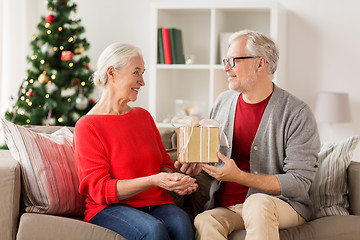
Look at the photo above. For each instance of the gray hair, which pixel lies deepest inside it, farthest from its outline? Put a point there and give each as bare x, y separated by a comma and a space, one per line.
259, 44
116, 55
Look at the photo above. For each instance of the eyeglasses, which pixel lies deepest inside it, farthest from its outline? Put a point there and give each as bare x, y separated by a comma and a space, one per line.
231, 61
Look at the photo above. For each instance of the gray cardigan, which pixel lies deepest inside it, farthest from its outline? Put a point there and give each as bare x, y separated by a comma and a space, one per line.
286, 145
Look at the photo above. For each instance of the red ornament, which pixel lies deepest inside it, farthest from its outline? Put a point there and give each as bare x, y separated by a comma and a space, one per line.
92, 101
50, 18
88, 67
30, 93
66, 55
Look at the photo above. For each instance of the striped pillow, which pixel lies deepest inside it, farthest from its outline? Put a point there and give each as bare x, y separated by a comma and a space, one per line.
329, 189
50, 182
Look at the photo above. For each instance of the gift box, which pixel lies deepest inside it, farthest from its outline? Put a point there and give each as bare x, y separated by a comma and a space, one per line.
198, 144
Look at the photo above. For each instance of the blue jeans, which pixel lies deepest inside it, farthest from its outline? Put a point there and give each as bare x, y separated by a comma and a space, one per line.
158, 222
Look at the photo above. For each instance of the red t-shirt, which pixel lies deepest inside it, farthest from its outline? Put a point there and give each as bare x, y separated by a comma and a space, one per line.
247, 120
117, 147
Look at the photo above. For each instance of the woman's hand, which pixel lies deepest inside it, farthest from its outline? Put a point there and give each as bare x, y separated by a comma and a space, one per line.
192, 169
176, 182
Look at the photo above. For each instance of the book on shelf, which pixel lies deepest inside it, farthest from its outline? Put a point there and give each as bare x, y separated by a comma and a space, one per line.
161, 57
177, 52
166, 45
170, 46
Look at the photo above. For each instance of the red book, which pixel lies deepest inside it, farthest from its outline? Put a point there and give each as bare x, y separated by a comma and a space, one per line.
166, 44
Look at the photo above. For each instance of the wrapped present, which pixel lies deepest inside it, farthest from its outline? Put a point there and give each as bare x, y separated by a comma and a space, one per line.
197, 142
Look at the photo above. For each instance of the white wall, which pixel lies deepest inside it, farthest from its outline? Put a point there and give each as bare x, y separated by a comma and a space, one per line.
322, 45
323, 49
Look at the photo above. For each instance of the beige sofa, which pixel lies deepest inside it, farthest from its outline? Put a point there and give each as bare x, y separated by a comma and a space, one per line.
15, 224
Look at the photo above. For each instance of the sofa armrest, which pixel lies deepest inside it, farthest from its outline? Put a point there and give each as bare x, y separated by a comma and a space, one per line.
10, 189
354, 187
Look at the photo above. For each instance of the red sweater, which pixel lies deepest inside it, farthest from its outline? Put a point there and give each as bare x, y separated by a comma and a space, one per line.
247, 120
117, 147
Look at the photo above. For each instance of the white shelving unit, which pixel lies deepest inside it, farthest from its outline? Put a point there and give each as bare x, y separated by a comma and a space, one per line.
201, 24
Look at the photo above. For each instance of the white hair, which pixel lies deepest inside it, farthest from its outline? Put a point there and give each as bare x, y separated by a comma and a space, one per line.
259, 44
116, 55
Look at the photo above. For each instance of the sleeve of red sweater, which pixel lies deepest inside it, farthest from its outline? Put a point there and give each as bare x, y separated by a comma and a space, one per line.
166, 158
92, 165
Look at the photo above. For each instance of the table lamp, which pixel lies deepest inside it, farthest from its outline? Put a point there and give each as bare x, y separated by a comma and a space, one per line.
332, 107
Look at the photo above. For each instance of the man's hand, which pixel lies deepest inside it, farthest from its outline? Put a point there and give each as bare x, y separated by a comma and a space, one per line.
192, 169
228, 172
231, 173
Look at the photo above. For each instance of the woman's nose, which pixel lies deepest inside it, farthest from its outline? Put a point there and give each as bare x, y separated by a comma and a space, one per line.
141, 81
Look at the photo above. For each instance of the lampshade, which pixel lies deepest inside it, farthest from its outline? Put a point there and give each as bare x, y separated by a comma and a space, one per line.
332, 107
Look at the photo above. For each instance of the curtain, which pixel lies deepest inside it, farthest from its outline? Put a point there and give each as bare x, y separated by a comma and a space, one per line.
17, 25
18, 19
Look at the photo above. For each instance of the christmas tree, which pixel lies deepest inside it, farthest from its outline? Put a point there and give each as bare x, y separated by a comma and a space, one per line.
56, 88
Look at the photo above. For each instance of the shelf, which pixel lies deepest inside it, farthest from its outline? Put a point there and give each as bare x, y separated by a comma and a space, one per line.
193, 36
183, 66
189, 66
219, 66
200, 83
188, 85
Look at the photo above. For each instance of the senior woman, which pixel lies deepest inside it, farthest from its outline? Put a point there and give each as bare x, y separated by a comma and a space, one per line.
123, 167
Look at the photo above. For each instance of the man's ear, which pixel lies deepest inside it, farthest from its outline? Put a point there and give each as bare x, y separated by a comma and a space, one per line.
261, 63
